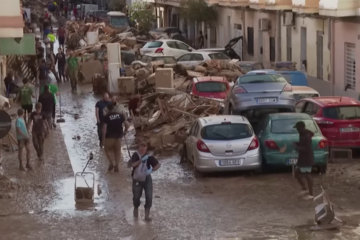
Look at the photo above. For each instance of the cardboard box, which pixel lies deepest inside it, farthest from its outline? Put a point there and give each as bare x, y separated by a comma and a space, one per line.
164, 78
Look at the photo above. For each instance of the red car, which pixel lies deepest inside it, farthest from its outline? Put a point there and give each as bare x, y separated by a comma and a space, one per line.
337, 117
210, 87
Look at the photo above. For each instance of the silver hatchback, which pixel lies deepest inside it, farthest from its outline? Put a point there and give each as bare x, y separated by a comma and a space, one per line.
260, 89
222, 143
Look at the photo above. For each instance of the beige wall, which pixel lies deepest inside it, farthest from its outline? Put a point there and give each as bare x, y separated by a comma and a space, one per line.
223, 32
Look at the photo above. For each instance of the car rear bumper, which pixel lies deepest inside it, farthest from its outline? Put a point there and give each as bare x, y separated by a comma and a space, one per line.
212, 163
277, 158
344, 144
238, 108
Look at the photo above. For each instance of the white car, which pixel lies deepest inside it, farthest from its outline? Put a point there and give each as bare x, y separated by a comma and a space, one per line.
194, 58
169, 47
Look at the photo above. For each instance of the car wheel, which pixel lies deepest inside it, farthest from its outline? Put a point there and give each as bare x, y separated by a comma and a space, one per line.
322, 169
197, 174
183, 157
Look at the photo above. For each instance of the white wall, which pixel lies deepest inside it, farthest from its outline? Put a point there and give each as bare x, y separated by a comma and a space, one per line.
312, 26
223, 33
10, 8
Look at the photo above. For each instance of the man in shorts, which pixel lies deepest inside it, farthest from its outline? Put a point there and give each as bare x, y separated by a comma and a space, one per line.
47, 101
305, 160
23, 139
112, 133
39, 130
25, 94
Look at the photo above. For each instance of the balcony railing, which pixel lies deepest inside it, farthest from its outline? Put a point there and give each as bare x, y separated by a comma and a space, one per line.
278, 4
257, 4
340, 8
239, 3
305, 6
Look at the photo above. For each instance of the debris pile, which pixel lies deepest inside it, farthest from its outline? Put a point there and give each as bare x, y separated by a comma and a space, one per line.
6, 187
165, 116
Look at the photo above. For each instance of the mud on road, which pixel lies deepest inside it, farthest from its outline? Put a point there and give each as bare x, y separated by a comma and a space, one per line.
219, 206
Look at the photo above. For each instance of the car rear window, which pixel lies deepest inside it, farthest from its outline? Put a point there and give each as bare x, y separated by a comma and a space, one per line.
166, 60
219, 56
342, 113
298, 97
155, 44
211, 87
262, 78
286, 126
246, 68
232, 131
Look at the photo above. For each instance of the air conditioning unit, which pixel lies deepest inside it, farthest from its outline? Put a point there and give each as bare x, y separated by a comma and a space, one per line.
288, 19
264, 24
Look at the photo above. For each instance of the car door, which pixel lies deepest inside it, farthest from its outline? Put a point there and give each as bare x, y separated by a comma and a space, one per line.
184, 59
172, 49
183, 48
196, 58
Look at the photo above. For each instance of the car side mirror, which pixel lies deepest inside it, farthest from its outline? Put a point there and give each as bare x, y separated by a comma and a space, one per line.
190, 49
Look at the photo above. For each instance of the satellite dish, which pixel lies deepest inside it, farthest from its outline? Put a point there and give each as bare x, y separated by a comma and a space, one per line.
18, 40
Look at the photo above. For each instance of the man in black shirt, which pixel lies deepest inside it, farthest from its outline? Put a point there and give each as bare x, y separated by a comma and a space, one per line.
47, 102
201, 40
112, 133
99, 113
152, 165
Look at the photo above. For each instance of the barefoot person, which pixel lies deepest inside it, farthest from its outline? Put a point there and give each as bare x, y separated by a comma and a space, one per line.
305, 160
23, 139
39, 130
112, 133
152, 164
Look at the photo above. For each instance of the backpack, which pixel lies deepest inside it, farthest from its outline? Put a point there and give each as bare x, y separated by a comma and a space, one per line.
140, 173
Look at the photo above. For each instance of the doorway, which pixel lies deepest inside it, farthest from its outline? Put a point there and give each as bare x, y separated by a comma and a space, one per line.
303, 45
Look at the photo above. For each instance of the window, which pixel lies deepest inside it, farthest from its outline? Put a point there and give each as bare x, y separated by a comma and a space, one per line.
311, 108
155, 44
265, 78
299, 96
286, 126
350, 65
250, 41
229, 131
299, 106
342, 113
197, 57
184, 58
172, 44
288, 44
272, 49
219, 56
211, 87
319, 55
182, 46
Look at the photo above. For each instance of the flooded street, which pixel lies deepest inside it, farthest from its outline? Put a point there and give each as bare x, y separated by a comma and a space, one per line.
219, 206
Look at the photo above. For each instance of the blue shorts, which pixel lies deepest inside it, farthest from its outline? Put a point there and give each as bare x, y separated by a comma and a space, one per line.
304, 169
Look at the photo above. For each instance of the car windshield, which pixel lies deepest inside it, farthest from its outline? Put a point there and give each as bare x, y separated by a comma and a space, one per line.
218, 56
166, 60
211, 87
299, 96
262, 78
342, 113
225, 132
155, 44
246, 68
286, 126
120, 21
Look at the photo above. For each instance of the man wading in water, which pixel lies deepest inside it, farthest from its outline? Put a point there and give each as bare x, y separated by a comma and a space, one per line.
39, 130
137, 161
305, 160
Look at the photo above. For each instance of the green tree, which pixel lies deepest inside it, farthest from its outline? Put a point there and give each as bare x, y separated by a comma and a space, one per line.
116, 5
198, 11
143, 14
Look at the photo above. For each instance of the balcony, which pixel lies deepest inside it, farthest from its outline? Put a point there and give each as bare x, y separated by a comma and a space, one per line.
225, 3
257, 4
239, 3
339, 8
278, 4
305, 6
11, 19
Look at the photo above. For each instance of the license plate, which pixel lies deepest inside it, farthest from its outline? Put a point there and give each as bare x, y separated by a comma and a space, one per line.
267, 100
230, 162
291, 161
349, 129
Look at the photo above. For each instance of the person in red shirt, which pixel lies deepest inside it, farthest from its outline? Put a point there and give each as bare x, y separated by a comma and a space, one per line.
61, 36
